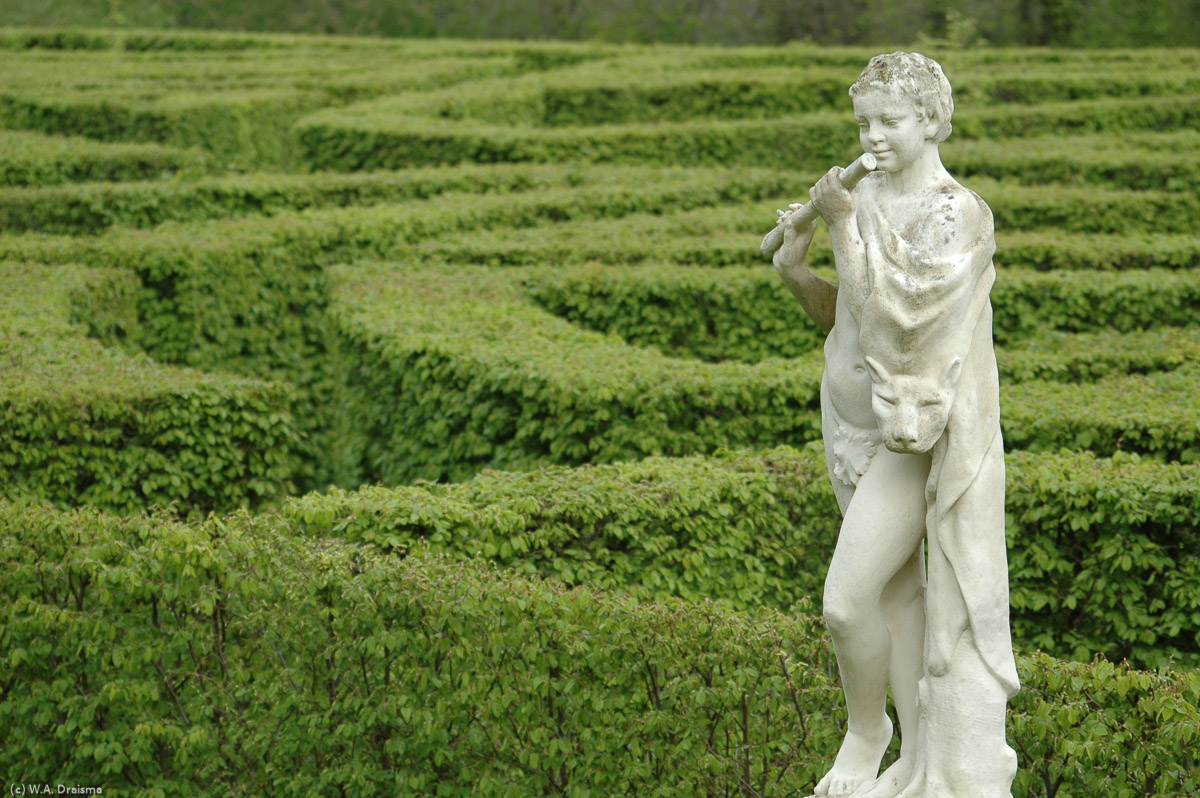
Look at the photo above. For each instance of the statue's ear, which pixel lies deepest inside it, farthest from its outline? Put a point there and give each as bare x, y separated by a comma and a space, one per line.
932, 124
879, 375
953, 372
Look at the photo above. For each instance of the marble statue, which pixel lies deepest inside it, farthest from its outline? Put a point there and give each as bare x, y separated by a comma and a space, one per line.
917, 593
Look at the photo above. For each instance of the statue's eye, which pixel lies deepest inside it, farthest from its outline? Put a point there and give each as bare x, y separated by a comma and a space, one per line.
887, 400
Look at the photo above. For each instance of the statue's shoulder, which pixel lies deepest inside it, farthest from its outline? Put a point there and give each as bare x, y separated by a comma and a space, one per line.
964, 218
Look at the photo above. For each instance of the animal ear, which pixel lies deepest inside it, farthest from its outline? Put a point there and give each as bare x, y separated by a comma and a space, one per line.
878, 373
953, 371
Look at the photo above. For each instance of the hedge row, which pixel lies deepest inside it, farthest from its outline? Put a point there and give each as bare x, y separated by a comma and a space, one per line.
34, 159
659, 88
1055, 356
250, 296
384, 134
91, 208
72, 39
156, 658
1133, 160
746, 529
239, 107
339, 75
247, 127
1017, 207
217, 42
729, 236
85, 424
747, 314
1154, 414
476, 377
1104, 552
977, 59
222, 287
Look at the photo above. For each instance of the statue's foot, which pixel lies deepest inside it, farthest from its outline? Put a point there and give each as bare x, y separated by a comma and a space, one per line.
916, 785
892, 781
857, 762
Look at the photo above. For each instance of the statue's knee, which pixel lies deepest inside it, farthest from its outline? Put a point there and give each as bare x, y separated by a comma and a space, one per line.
839, 610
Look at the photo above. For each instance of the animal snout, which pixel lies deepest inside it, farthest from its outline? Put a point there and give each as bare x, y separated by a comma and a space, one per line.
903, 433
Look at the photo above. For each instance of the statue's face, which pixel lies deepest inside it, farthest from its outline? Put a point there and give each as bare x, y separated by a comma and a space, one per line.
912, 409
892, 128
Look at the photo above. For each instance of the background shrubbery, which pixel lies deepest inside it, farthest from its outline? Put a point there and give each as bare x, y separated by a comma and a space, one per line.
197, 315
160, 658
1088, 23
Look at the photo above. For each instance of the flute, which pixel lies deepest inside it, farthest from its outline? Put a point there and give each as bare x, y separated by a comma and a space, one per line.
849, 178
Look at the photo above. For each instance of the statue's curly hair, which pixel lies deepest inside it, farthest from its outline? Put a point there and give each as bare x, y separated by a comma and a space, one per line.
916, 76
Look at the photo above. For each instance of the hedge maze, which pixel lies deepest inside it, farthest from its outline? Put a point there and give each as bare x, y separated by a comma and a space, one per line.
389, 417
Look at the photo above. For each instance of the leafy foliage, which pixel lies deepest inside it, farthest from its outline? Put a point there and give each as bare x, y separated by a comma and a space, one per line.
88, 424
168, 659
559, 296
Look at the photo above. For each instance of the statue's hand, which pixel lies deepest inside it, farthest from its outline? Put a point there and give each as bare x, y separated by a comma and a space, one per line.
831, 199
794, 251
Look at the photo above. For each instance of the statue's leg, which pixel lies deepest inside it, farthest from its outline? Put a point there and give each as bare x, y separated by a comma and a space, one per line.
904, 613
876, 559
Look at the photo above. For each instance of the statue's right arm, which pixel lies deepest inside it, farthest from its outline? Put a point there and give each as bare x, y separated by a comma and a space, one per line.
818, 297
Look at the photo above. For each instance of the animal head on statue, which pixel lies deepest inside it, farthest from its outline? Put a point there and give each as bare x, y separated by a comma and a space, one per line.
912, 406
917, 328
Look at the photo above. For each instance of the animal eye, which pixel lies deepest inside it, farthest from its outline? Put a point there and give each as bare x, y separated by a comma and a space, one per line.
889, 400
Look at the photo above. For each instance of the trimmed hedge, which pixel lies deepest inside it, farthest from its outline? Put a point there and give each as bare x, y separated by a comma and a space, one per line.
748, 314
1134, 160
1154, 414
477, 378
385, 135
1104, 553
247, 127
93, 208
746, 529
34, 159
228, 293
729, 236
1054, 251
635, 87
250, 296
1104, 556
165, 659
1055, 356
234, 655
89, 425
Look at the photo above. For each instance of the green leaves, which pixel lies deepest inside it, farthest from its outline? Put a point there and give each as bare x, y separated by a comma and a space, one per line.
238, 654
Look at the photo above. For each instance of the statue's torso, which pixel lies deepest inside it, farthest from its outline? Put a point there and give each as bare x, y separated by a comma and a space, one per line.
939, 220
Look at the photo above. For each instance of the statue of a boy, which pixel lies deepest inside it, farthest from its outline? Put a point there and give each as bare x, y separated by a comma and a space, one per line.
911, 421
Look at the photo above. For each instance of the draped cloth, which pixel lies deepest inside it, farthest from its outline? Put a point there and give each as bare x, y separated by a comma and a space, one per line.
920, 315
